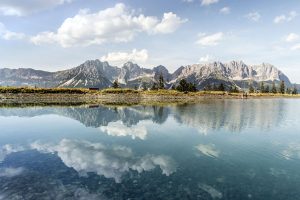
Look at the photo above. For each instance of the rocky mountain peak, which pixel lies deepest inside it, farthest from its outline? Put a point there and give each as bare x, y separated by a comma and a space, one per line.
96, 73
131, 66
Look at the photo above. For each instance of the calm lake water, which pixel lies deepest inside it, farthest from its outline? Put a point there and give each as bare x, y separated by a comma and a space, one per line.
217, 149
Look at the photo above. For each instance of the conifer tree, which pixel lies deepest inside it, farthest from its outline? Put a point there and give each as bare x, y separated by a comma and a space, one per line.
184, 86
282, 87
234, 89
221, 87
115, 84
144, 86
154, 86
262, 87
274, 90
295, 91
161, 84
267, 89
251, 89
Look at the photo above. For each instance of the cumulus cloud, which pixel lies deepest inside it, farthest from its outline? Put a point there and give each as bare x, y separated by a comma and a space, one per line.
214, 193
225, 10
206, 58
109, 161
253, 16
285, 18
10, 172
208, 2
8, 149
120, 130
116, 24
9, 35
210, 40
169, 24
292, 37
118, 58
292, 151
21, 8
208, 150
296, 47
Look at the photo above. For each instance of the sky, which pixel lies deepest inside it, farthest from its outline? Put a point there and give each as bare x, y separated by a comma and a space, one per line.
59, 34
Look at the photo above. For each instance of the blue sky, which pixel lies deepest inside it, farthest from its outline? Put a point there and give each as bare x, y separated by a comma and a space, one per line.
59, 34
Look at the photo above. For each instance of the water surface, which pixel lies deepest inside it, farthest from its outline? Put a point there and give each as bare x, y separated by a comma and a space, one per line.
217, 149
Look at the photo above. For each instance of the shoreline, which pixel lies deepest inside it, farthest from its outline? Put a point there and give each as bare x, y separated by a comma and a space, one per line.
136, 97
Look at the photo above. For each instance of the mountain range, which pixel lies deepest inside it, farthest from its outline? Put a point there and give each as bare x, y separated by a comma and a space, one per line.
236, 118
98, 74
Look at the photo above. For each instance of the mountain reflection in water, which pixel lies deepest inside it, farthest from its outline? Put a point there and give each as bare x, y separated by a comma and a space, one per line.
233, 115
217, 149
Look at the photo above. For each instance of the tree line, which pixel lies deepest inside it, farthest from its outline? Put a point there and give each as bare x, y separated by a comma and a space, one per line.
185, 86
281, 89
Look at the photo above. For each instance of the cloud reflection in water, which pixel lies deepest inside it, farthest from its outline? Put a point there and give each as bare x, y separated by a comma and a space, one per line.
109, 161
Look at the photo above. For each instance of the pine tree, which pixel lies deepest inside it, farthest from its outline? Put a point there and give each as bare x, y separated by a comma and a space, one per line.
192, 87
161, 84
115, 84
144, 86
154, 86
282, 87
262, 87
295, 91
274, 90
234, 89
208, 87
214, 87
221, 87
251, 89
183, 86
267, 89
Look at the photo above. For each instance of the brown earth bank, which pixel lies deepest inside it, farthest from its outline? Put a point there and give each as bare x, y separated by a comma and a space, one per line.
123, 97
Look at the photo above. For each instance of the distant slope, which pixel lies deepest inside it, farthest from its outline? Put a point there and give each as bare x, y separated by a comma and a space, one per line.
94, 73
229, 73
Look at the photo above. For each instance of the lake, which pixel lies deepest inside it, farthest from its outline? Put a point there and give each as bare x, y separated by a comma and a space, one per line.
215, 149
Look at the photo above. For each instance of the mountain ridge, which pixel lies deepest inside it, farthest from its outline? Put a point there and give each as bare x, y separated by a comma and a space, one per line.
95, 73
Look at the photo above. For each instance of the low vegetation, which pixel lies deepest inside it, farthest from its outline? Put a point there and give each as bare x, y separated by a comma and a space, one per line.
184, 88
118, 91
15, 90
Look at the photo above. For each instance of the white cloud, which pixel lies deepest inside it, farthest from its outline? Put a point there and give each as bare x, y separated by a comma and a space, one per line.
292, 151
21, 8
206, 58
203, 2
9, 35
109, 161
208, 150
169, 24
292, 37
116, 24
296, 47
120, 130
214, 193
10, 171
8, 149
254, 16
210, 40
208, 2
225, 10
285, 18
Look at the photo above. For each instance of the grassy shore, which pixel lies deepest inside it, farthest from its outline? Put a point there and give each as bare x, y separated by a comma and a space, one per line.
30, 90
17, 95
